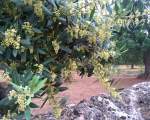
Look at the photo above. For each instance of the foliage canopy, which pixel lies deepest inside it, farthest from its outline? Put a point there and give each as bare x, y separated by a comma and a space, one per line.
133, 31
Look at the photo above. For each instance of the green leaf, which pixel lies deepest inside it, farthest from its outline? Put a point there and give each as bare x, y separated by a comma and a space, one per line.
61, 89
33, 82
36, 30
27, 77
92, 13
28, 113
14, 52
23, 57
16, 87
32, 105
68, 50
40, 85
41, 51
2, 49
26, 42
49, 60
36, 84
53, 3
117, 7
16, 78
47, 12
18, 2
4, 103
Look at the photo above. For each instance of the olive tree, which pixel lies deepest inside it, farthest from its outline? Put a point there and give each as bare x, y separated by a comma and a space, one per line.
133, 28
51, 38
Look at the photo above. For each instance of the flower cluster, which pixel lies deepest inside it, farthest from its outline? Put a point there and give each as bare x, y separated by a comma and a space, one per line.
11, 39
13, 65
37, 5
7, 116
27, 27
4, 77
147, 11
100, 71
53, 76
28, 2
22, 97
92, 38
38, 8
12, 93
104, 32
77, 31
136, 18
71, 66
104, 55
57, 12
39, 67
56, 46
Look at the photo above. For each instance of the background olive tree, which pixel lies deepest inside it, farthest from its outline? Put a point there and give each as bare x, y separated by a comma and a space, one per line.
132, 30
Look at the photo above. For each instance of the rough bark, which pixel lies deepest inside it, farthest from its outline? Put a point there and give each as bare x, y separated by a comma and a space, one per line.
146, 61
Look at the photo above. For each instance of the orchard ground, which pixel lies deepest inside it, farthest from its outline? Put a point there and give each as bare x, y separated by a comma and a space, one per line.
83, 88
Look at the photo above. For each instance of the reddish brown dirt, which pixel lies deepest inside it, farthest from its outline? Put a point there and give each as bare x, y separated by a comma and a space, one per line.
78, 89
83, 88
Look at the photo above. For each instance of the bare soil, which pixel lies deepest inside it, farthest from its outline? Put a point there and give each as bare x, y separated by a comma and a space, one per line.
84, 88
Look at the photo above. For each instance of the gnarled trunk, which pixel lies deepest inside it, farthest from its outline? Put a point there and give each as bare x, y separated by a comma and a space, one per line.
146, 60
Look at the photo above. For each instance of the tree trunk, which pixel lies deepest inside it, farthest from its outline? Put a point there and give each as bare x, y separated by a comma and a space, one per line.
132, 66
146, 60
